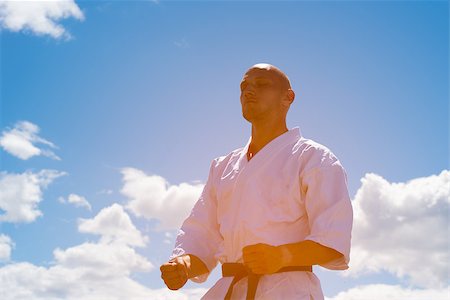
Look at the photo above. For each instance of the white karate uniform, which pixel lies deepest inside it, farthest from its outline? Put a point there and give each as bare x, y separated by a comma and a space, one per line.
293, 189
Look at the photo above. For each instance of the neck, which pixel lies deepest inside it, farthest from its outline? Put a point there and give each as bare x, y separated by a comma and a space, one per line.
264, 132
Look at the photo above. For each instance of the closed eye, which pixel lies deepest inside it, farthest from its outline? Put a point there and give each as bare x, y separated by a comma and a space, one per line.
243, 84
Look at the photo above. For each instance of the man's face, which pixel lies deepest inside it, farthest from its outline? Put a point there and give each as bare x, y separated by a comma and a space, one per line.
261, 95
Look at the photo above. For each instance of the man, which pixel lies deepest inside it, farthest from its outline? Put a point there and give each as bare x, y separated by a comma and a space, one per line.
269, 210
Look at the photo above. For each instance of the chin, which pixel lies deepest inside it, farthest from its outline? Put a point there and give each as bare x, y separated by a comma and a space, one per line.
247, 116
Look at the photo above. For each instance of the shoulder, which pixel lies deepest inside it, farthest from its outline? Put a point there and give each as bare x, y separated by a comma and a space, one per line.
313, 155
220, 162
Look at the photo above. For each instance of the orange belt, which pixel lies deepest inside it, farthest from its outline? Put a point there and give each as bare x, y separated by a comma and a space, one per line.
239, 271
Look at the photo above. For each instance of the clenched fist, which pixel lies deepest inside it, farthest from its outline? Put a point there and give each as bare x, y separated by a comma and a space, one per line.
175, 272
262, 258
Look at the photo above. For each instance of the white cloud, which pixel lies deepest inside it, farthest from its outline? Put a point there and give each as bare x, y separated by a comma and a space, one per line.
77, 200
102, 259
183, 43
114, 225
393, 292
20, 194
100, 270
402, 228
20, 141
105, 191
39, 17
168, 237
6, 246
151, 196
24, 281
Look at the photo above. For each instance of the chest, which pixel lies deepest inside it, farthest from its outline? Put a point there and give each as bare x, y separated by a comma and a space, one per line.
267, 192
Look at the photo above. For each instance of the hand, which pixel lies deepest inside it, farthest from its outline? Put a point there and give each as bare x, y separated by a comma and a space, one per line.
175, 273
262, 258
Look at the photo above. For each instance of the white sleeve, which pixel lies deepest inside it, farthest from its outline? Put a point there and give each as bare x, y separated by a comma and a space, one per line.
199, 234
329, 210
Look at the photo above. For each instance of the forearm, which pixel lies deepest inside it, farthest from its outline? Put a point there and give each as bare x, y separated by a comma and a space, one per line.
195, 265
306, 253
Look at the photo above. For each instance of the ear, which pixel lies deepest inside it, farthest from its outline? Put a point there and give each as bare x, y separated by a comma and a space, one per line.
288, 98
291, 95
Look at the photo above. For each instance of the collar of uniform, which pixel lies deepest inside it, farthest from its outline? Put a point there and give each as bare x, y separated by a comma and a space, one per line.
291, 134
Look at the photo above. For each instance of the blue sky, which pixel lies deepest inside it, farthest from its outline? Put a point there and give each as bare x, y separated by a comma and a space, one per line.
132, 89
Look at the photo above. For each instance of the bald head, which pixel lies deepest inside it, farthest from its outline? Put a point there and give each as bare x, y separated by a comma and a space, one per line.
274, 73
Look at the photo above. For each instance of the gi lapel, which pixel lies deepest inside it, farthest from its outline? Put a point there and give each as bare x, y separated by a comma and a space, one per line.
269, 150
247, 167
